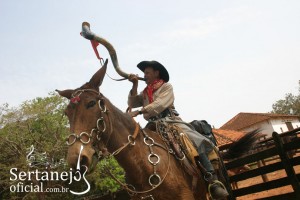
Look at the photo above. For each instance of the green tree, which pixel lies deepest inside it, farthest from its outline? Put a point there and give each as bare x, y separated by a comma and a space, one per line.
289, 105
40, 122
104, 182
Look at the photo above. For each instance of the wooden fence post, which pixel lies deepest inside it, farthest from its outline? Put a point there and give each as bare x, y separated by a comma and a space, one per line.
264, 177
287, 165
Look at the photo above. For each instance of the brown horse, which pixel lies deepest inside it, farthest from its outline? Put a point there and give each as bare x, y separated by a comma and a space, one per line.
96, 124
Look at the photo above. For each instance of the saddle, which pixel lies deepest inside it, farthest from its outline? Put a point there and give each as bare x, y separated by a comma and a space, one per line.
186, 153
180, 146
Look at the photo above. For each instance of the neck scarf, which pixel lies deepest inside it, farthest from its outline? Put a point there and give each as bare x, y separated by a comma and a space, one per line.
151, 88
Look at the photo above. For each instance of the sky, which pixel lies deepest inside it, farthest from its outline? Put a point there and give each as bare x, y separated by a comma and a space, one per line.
223, 56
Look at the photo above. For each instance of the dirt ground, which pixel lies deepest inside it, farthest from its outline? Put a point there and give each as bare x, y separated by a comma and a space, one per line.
270, 176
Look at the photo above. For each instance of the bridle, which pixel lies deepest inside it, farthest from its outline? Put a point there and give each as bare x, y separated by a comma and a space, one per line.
73, 137
101, 126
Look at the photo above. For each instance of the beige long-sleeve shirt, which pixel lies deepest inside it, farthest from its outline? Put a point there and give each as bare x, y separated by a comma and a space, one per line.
163, 98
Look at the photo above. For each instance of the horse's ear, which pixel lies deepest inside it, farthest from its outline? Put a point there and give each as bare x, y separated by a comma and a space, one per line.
65, 93
98, 77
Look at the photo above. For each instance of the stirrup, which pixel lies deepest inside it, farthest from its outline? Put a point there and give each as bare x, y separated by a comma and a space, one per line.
215, 182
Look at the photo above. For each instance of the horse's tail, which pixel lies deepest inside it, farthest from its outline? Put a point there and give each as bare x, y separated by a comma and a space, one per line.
242, 146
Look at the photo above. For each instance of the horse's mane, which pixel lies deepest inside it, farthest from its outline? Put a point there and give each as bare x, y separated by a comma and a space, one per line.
118, 115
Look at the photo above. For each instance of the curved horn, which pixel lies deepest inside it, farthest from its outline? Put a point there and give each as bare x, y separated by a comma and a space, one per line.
86, 33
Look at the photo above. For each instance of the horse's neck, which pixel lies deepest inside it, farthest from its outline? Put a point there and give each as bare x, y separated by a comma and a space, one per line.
133, 159
121, 126
130, 158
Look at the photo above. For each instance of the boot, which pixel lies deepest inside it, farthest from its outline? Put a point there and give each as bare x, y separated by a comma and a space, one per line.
216, 188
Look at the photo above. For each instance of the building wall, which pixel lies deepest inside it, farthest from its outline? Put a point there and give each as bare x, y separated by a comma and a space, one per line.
277, 125
296, 123
280, 124
265, 127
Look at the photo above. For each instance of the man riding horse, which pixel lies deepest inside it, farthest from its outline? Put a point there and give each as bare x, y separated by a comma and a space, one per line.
157, 102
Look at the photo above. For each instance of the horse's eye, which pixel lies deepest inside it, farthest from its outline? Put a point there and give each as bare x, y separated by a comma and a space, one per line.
91, 104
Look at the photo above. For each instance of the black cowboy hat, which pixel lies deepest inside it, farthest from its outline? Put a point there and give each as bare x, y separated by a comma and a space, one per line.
163, 73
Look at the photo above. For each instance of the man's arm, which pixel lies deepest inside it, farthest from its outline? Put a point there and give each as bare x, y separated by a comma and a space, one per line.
134, 100
134, 79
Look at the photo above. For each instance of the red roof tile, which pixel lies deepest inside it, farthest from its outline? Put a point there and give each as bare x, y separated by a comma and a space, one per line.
226, 136
244, 120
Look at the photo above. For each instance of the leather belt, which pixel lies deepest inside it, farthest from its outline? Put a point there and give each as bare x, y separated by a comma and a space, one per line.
166, 113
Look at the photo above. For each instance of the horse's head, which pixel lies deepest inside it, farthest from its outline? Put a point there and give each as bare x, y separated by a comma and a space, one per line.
86, 113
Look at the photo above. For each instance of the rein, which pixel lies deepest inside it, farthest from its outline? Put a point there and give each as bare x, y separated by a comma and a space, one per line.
125, 186
131, 139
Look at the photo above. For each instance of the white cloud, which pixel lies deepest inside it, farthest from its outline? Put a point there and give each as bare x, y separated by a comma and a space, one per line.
201, 27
